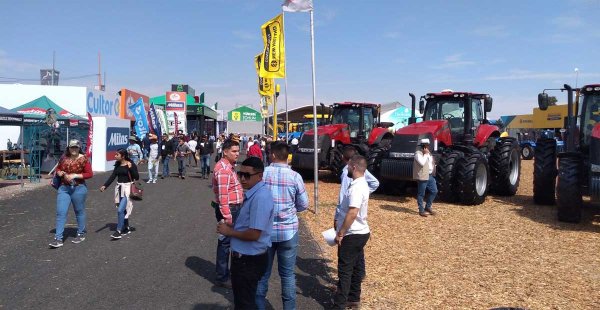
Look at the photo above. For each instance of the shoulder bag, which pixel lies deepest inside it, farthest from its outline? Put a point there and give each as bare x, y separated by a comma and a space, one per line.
136, 191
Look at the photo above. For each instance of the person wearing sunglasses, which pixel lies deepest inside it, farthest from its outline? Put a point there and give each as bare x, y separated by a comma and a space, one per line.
250, 235
73, 168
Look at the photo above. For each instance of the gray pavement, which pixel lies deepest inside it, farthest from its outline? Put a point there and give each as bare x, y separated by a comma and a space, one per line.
167, 263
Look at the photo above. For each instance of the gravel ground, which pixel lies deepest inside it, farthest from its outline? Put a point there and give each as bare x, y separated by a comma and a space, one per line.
506, 252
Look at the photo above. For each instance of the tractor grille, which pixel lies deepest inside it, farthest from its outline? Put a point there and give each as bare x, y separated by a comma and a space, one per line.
303, 158
303, 161
396, 169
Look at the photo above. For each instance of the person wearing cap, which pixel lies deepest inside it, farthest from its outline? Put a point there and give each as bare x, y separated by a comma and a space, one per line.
423, 172
153, 158
73, 168
134, 150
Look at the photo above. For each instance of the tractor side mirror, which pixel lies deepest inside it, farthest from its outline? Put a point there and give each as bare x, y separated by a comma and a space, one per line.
421, 106
543, 101
487, 104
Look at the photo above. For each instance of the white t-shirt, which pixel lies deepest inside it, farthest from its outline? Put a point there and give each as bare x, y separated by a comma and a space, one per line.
356, 196
250, 143
192, 145
153, 151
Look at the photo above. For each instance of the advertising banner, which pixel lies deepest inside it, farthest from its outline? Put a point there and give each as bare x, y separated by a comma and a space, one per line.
141, 118
153, 116
183, 88
116, 138
266, 86
272, 64
90, 138
176, 105
128, 98
97, 104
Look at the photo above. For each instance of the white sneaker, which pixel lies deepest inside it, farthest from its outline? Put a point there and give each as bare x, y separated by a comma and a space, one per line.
149, 181
154, 181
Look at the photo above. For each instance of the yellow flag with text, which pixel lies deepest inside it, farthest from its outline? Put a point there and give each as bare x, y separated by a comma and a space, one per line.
272, 64
266, 86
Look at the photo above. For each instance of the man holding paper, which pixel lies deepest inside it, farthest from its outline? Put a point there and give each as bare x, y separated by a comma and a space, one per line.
352, 234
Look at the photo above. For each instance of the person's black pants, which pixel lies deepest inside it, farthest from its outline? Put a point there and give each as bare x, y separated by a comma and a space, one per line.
246, 271
351, 269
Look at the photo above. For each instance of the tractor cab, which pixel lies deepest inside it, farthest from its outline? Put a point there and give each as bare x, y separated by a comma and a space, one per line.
589, 109
361, 118
463, 111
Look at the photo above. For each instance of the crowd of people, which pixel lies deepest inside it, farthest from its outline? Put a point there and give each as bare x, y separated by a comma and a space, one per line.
256, 203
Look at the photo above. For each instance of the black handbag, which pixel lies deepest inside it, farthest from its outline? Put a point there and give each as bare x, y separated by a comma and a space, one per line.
56, 181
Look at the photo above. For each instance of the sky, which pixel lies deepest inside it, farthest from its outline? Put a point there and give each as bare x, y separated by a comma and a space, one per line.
365, 51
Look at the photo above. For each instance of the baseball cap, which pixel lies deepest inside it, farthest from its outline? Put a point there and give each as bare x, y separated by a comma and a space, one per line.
74, 143
424, 141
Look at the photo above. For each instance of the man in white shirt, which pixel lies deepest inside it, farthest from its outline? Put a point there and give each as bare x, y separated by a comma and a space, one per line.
352, 235
423, 172
192, 144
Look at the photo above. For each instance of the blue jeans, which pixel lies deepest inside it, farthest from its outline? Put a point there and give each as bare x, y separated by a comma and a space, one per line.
121, 210
165, 163
430, 186
66, 196
206, 164
181, 166
223, 245
135, 160
286, 263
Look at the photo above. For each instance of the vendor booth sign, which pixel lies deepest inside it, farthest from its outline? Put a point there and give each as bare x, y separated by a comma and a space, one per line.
128, 98
116, 139
176, 104
97, 104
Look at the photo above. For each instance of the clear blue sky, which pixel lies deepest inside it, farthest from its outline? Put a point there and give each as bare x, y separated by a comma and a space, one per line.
374, 51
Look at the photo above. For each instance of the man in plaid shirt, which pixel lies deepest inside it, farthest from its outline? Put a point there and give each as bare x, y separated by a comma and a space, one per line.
229, 196
289, 196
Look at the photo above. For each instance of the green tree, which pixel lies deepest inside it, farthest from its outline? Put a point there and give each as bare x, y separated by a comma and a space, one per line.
552, 100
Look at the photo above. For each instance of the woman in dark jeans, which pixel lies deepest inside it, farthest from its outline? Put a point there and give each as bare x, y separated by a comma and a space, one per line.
126, 173
73, 168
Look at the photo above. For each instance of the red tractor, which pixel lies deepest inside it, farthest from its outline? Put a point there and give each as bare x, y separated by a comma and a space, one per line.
578, 170
351, 123
470, 155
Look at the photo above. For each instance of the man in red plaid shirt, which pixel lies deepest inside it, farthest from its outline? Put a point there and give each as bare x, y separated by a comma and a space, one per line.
229, 196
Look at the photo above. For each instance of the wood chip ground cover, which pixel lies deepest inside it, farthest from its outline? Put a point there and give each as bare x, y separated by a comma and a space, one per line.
507, 252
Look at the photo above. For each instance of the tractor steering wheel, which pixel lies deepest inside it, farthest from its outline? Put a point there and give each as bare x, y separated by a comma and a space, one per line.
447, 116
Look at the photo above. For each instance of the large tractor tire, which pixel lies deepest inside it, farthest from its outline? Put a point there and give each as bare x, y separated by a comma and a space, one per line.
568, 188
544, 172
505, 167
445, 176
472, 178
336, 162
527, 152
374, 158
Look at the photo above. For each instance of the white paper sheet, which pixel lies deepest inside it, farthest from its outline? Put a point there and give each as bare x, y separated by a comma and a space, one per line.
329, 236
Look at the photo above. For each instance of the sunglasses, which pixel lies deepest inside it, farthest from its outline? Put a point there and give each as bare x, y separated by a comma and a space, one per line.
245, 175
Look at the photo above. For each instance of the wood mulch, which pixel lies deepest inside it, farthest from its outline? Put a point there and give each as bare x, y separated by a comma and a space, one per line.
507, 252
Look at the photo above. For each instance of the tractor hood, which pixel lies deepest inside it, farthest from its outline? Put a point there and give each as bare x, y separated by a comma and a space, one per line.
426, 127
326, 129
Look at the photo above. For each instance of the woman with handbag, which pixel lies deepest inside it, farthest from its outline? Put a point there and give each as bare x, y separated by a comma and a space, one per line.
126, 173
72, 170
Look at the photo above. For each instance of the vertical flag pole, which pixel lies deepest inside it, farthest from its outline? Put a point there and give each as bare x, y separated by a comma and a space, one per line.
274, 117
316, 159
287, 123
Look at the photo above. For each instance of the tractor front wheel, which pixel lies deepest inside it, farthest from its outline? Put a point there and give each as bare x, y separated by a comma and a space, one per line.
527, 152
446, 176
336, 162
505, 166
544, 172
472, 178
568, 189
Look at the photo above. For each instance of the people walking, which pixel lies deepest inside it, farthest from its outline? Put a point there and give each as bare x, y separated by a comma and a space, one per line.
134, 150
192, 144
255, 151
181, 152
153, 159
289, 197
229, 196
167, 151
352, 234
250, 234
73, 169
424, 172
126, 173
205, 149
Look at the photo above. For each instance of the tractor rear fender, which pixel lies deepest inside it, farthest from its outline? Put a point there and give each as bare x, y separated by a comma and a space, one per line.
378, 134
484, 132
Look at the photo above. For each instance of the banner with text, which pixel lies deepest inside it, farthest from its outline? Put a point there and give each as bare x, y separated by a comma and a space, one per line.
266, 86
272, 64
141, 120
176, 105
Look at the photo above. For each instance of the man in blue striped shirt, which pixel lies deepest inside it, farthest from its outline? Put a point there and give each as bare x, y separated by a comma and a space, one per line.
289, 197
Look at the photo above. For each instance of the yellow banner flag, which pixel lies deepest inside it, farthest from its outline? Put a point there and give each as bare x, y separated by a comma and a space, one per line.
268, 100
272, 64
266, 86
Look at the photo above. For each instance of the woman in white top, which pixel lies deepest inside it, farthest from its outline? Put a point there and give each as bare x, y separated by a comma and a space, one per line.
192, 144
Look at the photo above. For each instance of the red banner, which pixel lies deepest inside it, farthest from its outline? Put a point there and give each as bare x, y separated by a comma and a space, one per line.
88, 152
176, 124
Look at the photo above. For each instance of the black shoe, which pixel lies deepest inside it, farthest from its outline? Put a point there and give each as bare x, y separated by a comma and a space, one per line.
162, 178
226, 284
56, 244
116, 235
79, 238
128, 230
